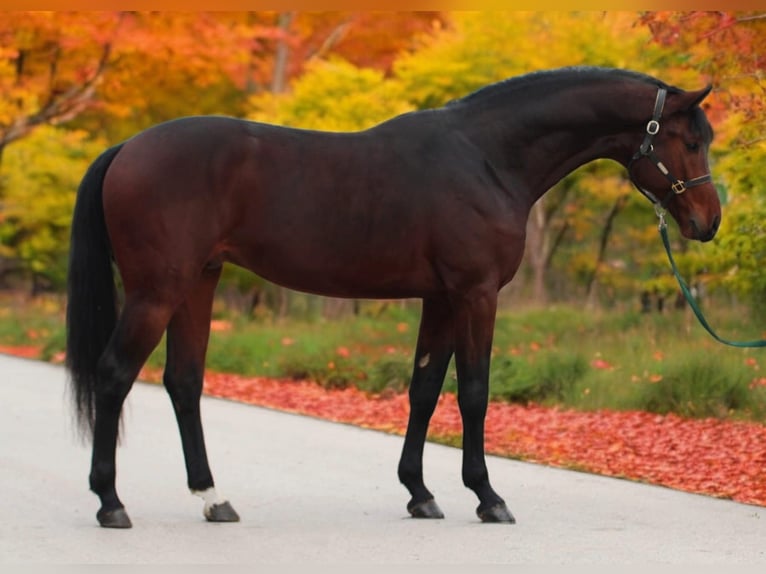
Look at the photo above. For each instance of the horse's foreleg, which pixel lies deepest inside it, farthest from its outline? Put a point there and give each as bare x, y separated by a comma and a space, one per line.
432, 356
187, 341
137, 333
474, 326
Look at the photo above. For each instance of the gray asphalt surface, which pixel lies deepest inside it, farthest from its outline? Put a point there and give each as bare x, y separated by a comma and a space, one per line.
314, 492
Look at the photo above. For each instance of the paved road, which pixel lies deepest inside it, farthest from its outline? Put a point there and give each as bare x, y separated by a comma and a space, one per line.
309, 491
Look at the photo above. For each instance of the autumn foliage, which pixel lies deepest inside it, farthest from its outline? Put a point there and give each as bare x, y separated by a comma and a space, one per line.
72, 83
730, 48
107, 75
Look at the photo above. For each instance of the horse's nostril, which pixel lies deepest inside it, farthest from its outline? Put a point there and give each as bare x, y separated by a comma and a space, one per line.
705, 234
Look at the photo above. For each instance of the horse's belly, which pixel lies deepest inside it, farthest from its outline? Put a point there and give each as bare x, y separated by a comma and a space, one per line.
359, 278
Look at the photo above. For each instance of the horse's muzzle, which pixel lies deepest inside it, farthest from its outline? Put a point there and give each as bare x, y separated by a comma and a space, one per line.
702, 234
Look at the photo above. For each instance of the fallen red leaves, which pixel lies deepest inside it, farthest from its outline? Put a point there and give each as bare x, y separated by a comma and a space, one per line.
718, 458
26, 351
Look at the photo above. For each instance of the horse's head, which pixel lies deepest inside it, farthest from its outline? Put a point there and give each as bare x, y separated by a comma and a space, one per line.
671, 165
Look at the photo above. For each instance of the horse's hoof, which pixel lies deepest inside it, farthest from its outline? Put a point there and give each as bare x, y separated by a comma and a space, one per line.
497, 513
222, 512
117, 518
427, 509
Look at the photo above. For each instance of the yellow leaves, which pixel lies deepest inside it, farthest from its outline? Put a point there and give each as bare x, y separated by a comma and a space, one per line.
40, 178
335, 96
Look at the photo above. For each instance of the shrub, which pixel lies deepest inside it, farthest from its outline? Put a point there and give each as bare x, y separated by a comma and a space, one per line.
546, 377
389, 374
698, 385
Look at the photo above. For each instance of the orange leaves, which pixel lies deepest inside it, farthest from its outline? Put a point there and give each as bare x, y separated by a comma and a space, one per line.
49, 65
729, 46
220, 326
367, 39
718, 458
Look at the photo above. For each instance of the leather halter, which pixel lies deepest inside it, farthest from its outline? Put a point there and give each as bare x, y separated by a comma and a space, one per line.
646, 150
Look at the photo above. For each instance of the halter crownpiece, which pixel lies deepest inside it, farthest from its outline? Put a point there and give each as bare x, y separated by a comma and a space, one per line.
677, 186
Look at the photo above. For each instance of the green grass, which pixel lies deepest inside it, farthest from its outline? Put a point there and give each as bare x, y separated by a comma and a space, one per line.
555, 356
39, 323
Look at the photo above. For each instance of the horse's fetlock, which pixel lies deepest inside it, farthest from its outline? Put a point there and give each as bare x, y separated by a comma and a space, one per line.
101, 477
475, 479
408, 475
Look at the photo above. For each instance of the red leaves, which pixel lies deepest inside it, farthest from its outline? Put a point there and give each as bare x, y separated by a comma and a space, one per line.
718, 458
25, 351
723, 459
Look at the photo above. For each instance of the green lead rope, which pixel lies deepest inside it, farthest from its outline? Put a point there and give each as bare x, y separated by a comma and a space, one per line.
690, 298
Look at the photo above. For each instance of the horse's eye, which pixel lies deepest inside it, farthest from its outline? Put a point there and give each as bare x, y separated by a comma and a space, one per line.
693, 146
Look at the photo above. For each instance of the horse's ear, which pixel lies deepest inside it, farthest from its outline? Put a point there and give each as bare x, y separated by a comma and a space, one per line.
687, 100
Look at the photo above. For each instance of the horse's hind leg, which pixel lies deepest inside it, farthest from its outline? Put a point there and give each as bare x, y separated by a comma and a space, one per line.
137, 333
184, 371
432, 356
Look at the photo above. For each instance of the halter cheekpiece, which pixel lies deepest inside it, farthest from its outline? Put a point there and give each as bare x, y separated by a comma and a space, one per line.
646, 150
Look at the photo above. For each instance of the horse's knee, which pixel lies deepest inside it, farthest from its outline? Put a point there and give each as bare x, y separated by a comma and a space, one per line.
423, 405
424, 393
472, 401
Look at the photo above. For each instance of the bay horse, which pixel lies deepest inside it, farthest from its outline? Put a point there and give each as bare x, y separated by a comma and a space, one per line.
431, 204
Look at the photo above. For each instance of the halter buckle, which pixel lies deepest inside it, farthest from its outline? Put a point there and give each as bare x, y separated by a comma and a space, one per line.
678, 187
653, 127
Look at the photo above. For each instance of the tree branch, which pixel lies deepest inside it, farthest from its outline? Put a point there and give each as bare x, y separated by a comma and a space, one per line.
557, 240
59, 108
604, 241
753, 142
754, 17
335, 36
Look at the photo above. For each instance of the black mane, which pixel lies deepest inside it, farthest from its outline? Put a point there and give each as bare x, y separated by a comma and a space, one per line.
565, 76
562, 77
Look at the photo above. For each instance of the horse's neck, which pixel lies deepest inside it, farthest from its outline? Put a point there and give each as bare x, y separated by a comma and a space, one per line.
539, 138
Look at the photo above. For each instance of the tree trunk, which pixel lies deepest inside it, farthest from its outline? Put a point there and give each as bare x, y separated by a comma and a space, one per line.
278, 83
282, 56
590, 293
536, 249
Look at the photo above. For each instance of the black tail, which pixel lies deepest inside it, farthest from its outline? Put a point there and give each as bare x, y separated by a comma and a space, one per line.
92, 304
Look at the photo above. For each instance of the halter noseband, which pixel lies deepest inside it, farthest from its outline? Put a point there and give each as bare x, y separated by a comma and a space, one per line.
646, 150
